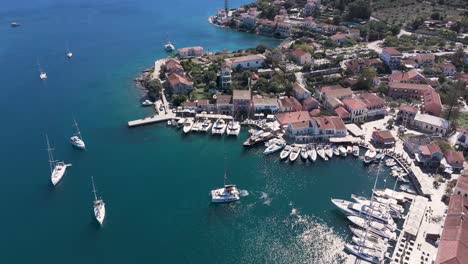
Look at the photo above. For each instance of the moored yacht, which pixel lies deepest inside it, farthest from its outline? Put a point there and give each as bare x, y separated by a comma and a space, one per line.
336, 152
358, 209
285, 152
57, 168
77, 140
349, 150
312, 153
197, 126
181, 122
99, 206
362, 233
219, 127
206, 125
294, 153
342, 151
369, 156
169, 47
387, 193
188, 125
275, 146
321, 152
304, 154
383, 208
364, 242
233, 128
328, 151
370, 255
373, 226
356, 151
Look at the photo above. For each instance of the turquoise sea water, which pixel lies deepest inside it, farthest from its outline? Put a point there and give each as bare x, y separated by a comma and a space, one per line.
154, 180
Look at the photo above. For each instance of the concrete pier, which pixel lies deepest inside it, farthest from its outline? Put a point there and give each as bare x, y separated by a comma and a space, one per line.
162, 116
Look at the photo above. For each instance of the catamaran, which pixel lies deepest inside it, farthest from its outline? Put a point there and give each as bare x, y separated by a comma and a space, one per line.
57, 168
219, 127
99, 206
233, 128
77, 140
229, 193
285, 152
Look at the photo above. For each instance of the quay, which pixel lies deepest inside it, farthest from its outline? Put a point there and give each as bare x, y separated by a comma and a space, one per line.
162, 116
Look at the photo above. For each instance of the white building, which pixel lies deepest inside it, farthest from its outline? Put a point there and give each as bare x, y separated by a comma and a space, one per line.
300, 92
265, 104
191, 52
431, 124
225, 76
249, 61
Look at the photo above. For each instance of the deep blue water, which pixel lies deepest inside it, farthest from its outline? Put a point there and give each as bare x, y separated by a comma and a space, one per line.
154, 180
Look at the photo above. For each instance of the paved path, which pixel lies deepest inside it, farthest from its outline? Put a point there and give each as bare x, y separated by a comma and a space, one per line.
165, 115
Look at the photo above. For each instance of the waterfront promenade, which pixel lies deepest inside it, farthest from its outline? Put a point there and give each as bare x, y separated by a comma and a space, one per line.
161, 116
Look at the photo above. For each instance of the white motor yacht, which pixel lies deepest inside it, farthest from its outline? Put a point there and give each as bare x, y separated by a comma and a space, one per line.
43, 75
394, 212
373, 226
197, 126
285, 152
312, 153
321, 152
349, 150
219, 127
276, 146
233, 128
356, 151
304, 154
169, 47
188, 125
336, 152
369, 255
99, 206
357, 209
369, 156
206, 125
328, 151
364, 242
181, 122
362, 233
147, 103
387, 193
342, 151
294, 153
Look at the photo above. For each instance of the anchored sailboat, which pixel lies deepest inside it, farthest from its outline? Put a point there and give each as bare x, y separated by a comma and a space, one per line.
57, 168
99, 206
229, 193
42, 74
77, 140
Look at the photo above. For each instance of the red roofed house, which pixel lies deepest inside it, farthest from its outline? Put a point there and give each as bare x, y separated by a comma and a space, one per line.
425, 59
300, 131
453, 245
412, 76
343, 114
432, 102
429, 155
179, 84
289, 104
356, 108
302, 57
340, 37
383, 138
448, 69
336, 91
406, 114
462, 185
391, 57
191, 52
374, 104
315, 112
174, 66
329, 126
455, 159
310, 103
290, 117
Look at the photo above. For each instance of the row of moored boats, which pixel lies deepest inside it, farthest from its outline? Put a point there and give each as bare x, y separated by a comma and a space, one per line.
219, 127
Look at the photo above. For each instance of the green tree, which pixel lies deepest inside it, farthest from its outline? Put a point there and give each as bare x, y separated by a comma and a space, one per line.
359, 9
366, 79
154, 88
458, 57
383, 88
261, 48
162, 72
178, 99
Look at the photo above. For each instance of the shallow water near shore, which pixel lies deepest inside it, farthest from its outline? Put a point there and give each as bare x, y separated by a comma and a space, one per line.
154, 180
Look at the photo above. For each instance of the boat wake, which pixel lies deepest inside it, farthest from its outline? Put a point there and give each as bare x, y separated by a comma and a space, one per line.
243, 193
266, 199
294, 238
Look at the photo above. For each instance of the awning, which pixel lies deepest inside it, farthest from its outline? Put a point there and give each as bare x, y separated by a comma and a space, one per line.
449, 171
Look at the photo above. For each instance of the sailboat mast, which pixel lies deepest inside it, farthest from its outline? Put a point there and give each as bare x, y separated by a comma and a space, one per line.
78, 133
51, 157
94, 189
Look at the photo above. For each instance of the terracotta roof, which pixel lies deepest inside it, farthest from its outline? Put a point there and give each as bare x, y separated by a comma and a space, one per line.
290, 117
329, 122
203, 102
223, 99
301, 124
425, 56
330, 87
432, 102
447, 65
174, 79
353, 103
462, 182
299, 52
265, 101
314, 112
453, 246
343, 92
430, 149
409, 108
407, 76
371, 100
384, 134
189, 104
341, 112
247, 58
172, 64
339, 36
299, 88
392, 51
453, 156
408, 86
309, 101
241, 94
286, 102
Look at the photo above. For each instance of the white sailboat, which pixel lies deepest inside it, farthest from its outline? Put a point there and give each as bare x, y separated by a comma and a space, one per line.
99, 206
69, 53
57, 168
77, 140
229, 193
342, 151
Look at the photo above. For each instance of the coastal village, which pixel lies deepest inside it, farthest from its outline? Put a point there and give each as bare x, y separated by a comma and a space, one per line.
341, 87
